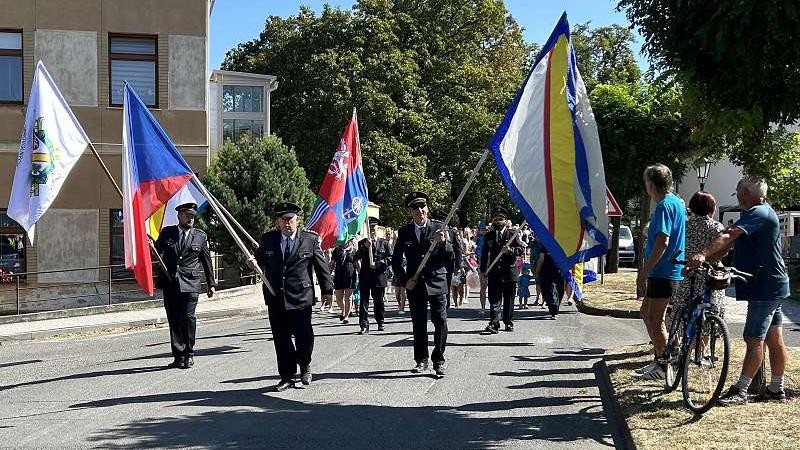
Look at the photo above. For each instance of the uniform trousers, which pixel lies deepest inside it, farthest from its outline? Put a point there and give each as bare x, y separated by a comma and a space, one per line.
182, 321
286, 323
501, 300
419, 301
551, 286
378, 294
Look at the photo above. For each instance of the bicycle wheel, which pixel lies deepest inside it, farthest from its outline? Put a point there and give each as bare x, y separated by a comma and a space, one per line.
705, 365
673, 356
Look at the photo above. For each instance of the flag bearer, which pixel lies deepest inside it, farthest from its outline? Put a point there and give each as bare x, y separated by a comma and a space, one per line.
184, 250
373, 258
502, 278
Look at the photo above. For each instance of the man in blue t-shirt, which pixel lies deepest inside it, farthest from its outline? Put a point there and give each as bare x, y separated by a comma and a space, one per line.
757, 251
659, 276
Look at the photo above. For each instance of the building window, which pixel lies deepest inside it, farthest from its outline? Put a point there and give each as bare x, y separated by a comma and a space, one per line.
117, 246
233, 129
12, 247
237, 98
133, 59
11, 67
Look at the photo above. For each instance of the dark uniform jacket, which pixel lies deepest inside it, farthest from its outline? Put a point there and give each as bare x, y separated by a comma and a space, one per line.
504, 270
433, 277
457, 260
381, 257
291, 279
185, 265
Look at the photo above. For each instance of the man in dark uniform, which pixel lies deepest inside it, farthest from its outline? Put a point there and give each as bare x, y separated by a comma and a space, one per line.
184, 250
287, 256
373, 259
413, 241
502, 279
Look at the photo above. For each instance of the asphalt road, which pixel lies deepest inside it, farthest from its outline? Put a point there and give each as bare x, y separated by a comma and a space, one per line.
533, 388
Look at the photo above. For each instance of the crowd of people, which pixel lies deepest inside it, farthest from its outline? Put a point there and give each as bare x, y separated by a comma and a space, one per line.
678, 235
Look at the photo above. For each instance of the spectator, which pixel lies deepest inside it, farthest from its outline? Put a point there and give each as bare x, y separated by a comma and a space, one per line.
701, 229
659, 276
756, 237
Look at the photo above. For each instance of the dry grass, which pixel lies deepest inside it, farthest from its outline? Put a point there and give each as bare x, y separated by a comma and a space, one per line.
659, 421
618, 292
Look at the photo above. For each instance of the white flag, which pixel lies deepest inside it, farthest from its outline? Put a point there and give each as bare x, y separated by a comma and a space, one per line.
52, 141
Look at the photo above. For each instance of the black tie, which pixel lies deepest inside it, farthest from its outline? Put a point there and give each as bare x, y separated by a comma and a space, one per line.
287, 250
183, 239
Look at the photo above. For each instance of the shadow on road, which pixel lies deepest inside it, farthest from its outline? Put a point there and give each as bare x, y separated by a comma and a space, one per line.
258, 418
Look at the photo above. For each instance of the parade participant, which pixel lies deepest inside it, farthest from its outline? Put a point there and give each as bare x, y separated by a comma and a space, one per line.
287, 256
344, 278
184, 250
470, 261
502, 278
480, 237
372, 259
549, 279
453, 263
430, 289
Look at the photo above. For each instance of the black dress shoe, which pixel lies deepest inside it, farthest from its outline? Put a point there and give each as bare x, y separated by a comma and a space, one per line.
364, 331
184, 364
421, 367
439, 369
284, 385
491, 329
189, 362
305, 377
510, 327
381, 327
176, 364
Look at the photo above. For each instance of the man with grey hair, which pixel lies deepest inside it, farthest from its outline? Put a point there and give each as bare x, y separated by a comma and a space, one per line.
756, 236
659, 276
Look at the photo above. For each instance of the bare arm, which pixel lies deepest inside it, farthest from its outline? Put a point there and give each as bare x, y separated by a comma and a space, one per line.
659, 247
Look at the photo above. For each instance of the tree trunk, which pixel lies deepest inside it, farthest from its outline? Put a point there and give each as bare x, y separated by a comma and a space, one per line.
612, 266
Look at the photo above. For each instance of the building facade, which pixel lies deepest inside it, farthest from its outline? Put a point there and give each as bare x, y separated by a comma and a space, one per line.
90, 47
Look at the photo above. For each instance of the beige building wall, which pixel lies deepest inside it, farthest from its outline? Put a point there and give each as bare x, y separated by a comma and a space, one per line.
71, 37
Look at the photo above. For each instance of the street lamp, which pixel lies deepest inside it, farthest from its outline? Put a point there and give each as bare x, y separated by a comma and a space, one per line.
702, 172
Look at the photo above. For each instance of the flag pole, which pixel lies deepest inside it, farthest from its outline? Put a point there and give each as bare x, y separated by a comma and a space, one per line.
230, 217
228, 226
119, 191
453, 210
507, 245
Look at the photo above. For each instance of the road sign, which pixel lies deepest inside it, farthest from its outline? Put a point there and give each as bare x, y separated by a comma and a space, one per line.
612, 207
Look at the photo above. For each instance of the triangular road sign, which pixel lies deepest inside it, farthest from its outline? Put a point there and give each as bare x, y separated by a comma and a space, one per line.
612, 207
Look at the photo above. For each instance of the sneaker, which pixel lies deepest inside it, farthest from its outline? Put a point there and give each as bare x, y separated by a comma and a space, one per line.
657, 373
421, 367
734, 396
768, 396
646, 368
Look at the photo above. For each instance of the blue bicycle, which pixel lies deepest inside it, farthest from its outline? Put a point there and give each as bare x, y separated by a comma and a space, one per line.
697, 353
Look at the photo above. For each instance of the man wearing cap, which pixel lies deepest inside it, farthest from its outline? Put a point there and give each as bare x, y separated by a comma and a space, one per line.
502, 278
372, 258
184, 250
287, 256
413, 242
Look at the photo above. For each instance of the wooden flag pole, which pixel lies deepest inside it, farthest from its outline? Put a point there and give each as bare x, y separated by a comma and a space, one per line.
230, 217
507, 245
228, 226
453, 210
119, 191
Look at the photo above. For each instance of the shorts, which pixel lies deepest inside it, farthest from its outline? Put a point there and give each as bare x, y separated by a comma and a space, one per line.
761, 315
660, 288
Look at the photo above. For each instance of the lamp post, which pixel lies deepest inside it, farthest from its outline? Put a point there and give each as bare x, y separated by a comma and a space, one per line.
702, 172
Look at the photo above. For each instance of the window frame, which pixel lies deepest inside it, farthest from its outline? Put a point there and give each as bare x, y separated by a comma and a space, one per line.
132, 57
19, 53
16, 229
116, 273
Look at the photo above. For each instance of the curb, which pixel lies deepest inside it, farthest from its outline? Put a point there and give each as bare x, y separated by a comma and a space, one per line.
618, 313
616, 419
120, 307
208, 315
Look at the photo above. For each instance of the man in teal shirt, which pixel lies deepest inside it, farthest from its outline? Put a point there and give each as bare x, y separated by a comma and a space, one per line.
659, 276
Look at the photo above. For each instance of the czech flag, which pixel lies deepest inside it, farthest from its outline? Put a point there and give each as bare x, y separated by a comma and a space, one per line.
153, 170
548, 152
341, 208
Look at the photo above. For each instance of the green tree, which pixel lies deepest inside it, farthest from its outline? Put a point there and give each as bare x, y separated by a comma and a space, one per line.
249, 178
605, 55
431, 80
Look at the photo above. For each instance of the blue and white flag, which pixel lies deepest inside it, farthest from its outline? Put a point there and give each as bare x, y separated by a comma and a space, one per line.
52, 142
548, 152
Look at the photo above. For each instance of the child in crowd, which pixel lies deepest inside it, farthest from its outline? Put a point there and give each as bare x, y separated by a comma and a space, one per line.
523, 291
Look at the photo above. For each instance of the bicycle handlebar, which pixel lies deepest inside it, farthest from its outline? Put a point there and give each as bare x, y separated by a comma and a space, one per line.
735, 273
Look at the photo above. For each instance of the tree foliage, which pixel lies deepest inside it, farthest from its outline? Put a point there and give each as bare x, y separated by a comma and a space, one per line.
604, 55
249, 178
430, 78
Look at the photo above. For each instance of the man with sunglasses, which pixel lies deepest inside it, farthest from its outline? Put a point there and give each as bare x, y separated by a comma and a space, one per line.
430, 288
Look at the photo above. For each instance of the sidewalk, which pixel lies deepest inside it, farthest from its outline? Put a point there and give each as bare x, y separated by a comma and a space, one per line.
246, 300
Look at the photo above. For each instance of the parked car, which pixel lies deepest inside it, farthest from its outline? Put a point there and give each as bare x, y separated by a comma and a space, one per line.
627, 251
